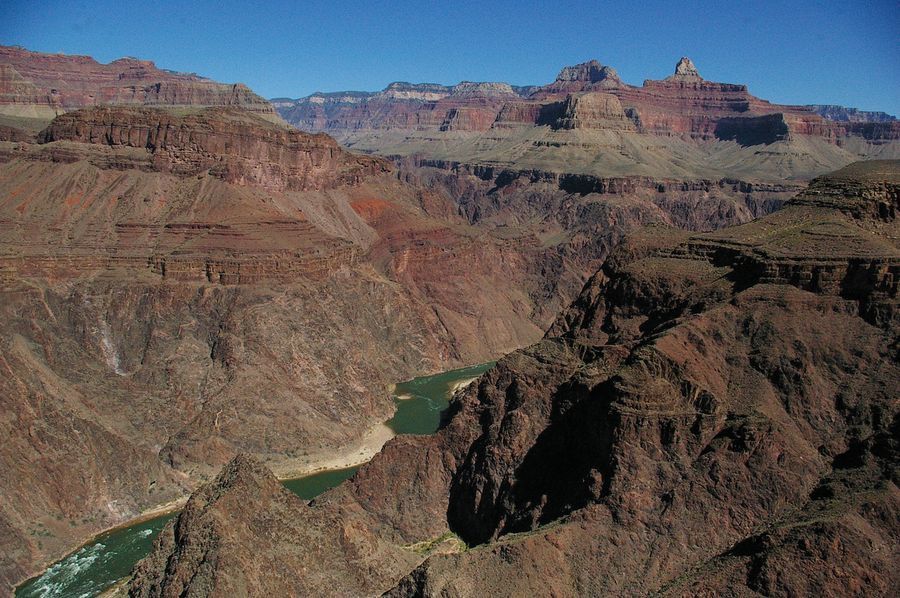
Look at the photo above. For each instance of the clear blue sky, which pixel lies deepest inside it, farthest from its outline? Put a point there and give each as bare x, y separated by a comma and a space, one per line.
845, 52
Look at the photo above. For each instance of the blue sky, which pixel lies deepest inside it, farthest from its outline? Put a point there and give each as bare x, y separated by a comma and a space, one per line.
845, 52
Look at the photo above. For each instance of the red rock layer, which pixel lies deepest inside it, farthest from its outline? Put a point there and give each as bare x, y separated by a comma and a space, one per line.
592, 110
234, 145
65, 82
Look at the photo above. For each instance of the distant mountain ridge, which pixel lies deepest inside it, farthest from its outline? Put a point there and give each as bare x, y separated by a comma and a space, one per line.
845, 114
828, 111
589, 121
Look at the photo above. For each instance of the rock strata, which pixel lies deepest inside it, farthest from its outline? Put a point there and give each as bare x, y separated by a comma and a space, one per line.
682, 125
235, 145
43, 85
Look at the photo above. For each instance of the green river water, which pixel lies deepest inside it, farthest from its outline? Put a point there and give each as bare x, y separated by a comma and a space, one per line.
111, 556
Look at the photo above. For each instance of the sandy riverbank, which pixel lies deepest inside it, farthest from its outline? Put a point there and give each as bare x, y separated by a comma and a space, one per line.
354, 454
458, 386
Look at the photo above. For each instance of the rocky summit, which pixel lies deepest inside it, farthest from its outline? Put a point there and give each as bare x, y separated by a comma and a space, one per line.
685, 71
715, 414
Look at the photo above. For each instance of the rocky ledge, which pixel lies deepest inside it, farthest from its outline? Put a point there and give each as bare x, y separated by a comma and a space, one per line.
233, 144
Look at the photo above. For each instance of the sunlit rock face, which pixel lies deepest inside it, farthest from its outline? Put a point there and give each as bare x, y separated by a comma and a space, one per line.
682, 126
35, 84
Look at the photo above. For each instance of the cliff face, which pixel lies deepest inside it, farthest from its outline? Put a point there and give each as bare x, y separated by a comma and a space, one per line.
33, 84
593, 111
233, 144
714, 414
682, 126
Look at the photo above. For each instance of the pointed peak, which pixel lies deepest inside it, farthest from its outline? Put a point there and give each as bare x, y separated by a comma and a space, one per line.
685, 71
243, 468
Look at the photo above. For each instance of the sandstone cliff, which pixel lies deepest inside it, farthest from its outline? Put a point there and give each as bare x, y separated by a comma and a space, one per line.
715, 414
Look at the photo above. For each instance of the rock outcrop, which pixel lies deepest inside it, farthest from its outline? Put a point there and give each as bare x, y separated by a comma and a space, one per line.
591, 110
685, 71
212, 557
715, 414
587, 76
237, 146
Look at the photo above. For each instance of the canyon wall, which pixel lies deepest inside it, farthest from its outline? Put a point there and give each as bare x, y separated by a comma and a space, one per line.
35, 85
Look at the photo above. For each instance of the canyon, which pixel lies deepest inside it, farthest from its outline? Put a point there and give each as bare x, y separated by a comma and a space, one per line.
186, 277
716, 414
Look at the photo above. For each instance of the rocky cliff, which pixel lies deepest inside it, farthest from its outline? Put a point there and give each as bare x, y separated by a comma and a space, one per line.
715, 415
594, 123
233, 144
38, 85
179, 287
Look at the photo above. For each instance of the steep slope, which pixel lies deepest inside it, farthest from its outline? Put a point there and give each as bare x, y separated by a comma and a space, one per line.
590, 122
716, 414
207, 555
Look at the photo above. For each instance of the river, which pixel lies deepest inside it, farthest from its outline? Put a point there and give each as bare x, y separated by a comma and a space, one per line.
111, 556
